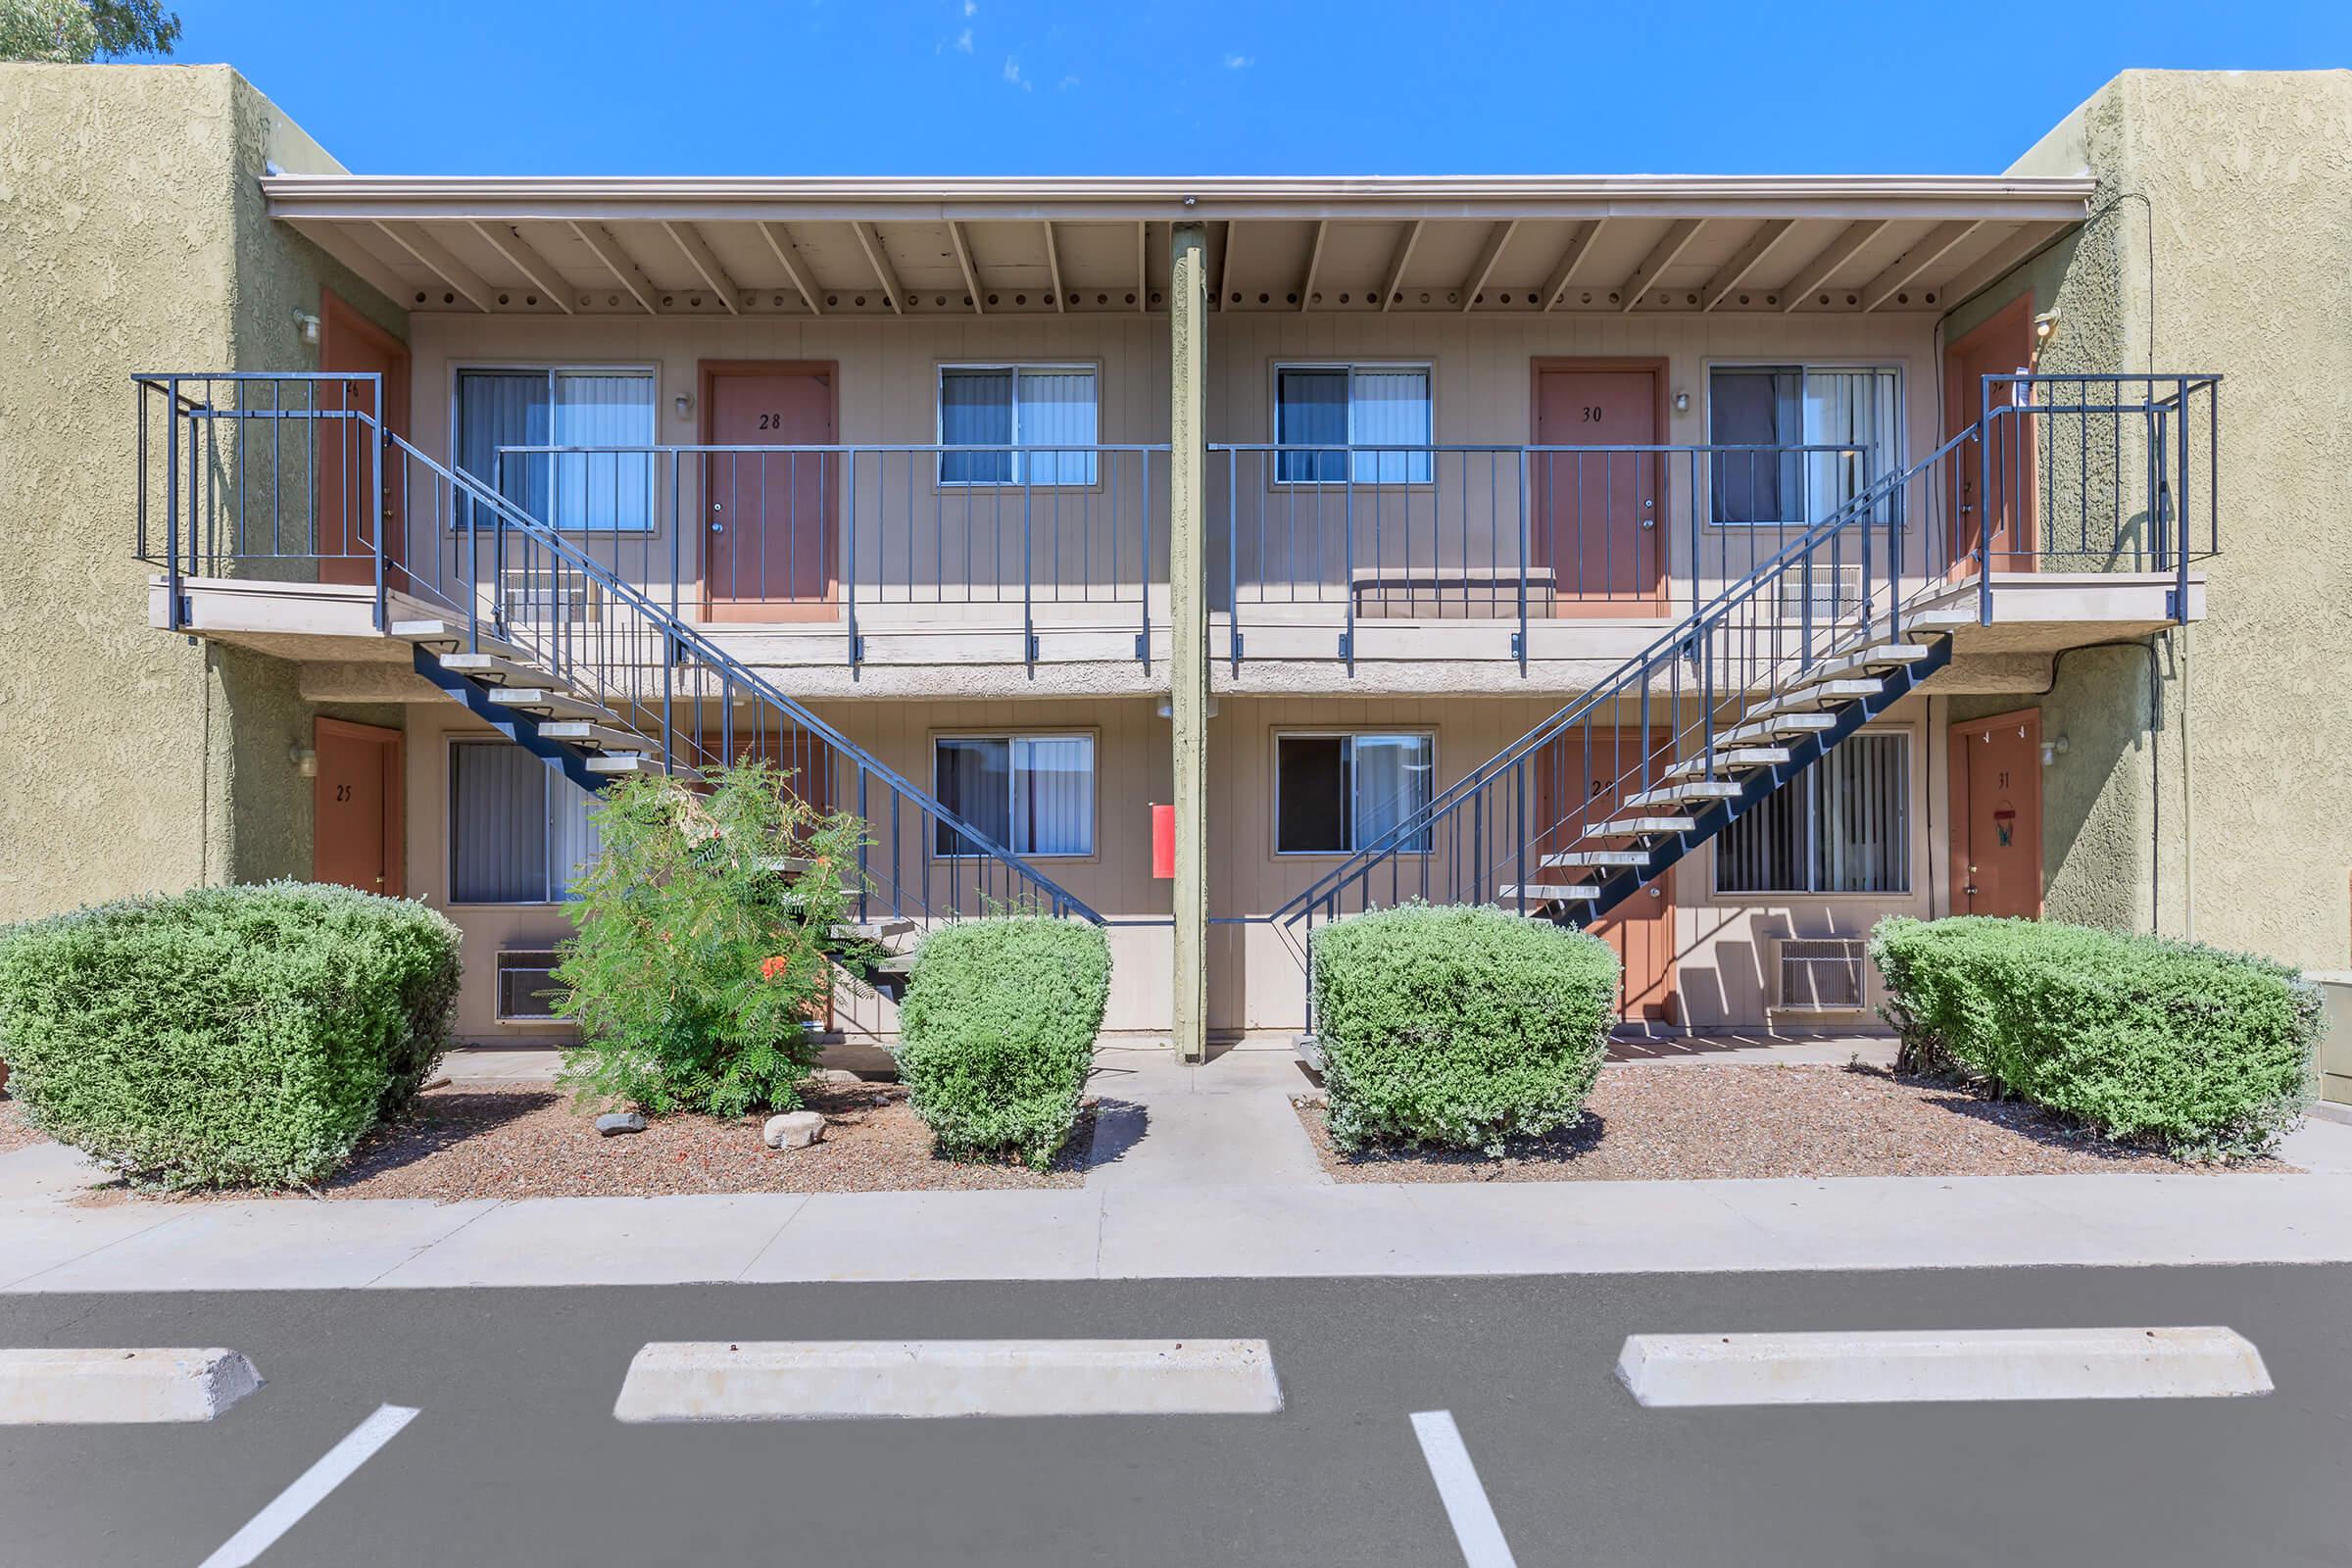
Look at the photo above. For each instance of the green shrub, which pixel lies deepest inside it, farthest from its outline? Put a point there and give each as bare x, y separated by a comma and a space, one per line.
997, 1033
1458, 1026
2201, 1052
240, 1036
703, 942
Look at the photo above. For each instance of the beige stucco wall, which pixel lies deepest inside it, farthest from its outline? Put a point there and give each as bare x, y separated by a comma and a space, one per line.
131, 238
2221, 241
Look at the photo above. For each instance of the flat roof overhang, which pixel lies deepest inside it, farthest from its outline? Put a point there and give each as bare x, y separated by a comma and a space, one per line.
1487, 244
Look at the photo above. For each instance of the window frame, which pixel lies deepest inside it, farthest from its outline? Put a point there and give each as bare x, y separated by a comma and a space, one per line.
459, 369
1274, 815
1353, 367
1896, 367
1094, 818
1809, 780
1016, 368
449, 817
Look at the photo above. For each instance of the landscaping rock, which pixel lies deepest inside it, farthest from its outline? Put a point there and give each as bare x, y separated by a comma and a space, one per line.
620, 1121
795, 1129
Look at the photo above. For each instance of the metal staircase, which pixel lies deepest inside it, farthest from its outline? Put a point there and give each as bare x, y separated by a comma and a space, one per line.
270, 476
1795, 656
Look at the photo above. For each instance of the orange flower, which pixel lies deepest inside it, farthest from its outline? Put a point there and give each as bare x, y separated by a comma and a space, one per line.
771, 967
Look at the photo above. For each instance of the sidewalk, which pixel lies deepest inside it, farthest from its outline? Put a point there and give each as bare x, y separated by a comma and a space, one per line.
1115, 1231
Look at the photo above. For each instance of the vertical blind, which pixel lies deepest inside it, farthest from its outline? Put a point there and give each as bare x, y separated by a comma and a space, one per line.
605, 492
1018, 406
1340, 406
1335, 793
1798, 406
520, 832
1844, 825
1033, 794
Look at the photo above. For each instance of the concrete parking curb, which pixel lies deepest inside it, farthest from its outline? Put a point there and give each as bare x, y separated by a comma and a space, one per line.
927, 1379
46, 1387
1895, 1368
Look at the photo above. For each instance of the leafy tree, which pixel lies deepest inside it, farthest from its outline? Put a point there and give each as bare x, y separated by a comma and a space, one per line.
703, 942
72, 33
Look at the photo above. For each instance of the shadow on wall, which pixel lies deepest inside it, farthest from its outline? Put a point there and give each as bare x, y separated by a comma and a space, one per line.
2096, 794
1723, 975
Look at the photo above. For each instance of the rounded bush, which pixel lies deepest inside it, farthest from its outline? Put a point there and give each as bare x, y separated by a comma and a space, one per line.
2202, 1053
242, 1035
997, 1033
1457, 1025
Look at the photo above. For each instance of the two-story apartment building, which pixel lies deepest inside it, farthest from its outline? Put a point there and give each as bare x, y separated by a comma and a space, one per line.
1723, 563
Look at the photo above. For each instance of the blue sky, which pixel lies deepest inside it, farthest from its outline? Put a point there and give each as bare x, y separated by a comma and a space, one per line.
1025, 86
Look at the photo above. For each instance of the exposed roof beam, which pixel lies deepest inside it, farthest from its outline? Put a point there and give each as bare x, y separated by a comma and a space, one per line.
1053, 267
508, 242
870, 242
963, 260
706, 262
1399, 262
347, 245
788, 257
1143, 265
1233, 238
1750, 256
1314, 262
1839, 250
1676, 240
631, 276
2005, 252
1925, 252
1572, 254
435, 258
1497, 237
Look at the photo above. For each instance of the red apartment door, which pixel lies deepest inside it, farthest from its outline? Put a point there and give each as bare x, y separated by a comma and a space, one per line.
351, 344
768, 527
2000, 346
1995, 767
1581, 784
356, 836
1597, 517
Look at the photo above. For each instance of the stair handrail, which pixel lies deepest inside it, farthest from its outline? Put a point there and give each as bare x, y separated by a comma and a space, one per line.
1685, 633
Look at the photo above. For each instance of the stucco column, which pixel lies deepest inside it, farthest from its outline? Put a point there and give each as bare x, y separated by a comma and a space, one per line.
1187, 630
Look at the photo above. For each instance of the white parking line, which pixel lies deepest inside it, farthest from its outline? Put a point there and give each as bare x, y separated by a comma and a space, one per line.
1913, 1367
1475, 1525
928, 1379
310, 1487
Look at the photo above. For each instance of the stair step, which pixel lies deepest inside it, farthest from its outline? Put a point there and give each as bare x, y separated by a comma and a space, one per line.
1881, 656
492, 668
1636, 827
1697, 789
1728, 759
454, 636
1824, 694
622, 763
552, 700
1778, 728
901, 964
1574, 859
871, 930
787, 864
591, 736
1551, 891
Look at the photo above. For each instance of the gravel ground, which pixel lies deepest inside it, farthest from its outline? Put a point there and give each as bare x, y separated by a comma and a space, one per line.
1696, 1122
471, 1141
14, 1131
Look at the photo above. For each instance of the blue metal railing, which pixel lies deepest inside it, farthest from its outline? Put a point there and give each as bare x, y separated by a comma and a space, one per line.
241, 496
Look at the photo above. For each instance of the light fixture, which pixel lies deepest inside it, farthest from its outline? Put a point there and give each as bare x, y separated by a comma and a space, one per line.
1682, 403
1167, 709
2051, 751
684, 404
303, 759
2045, 323
307, 325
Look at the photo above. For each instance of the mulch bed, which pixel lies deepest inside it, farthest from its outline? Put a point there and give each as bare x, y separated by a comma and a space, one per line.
473, 1141
1690, 1122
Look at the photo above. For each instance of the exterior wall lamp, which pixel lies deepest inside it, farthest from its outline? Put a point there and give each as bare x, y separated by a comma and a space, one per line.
2053, 749
304, 759
684, 404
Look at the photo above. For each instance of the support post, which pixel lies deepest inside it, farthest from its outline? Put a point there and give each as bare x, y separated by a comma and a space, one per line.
1188, 631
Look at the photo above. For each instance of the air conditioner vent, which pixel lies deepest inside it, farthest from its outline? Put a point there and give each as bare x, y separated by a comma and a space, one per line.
1821, 974
527, 989
1835, 592
550, 598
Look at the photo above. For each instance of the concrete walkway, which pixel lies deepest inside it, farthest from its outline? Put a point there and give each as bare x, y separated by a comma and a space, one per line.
1144, 1231
1228, 1122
